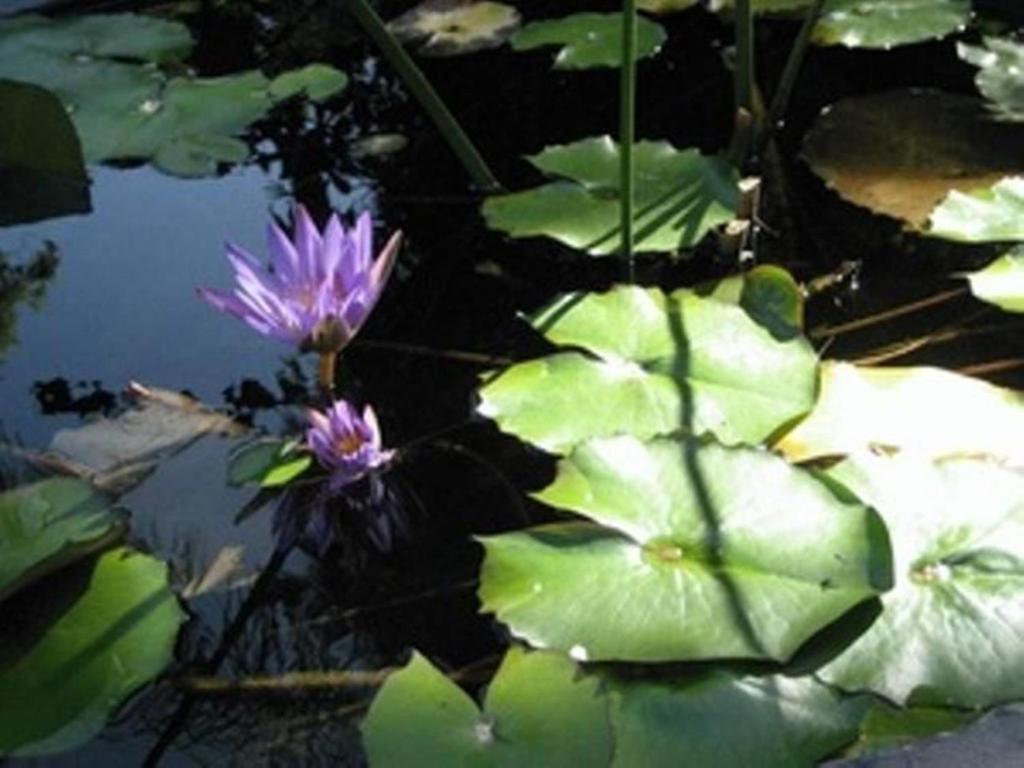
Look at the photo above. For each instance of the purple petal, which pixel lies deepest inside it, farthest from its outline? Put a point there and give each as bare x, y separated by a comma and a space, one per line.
307, 243
283, 255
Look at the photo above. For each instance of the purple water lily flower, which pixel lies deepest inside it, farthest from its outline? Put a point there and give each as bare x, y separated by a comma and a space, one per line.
346, 444
320, 287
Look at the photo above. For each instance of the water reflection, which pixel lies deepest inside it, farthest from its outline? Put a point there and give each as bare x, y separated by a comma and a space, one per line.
24, 283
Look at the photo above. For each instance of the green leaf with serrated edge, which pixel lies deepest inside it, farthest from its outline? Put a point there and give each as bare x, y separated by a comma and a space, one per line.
588, 39
657, 364
680, 196
686, 562
990, 215
949, 631
537, 712
888, 23
1001, 282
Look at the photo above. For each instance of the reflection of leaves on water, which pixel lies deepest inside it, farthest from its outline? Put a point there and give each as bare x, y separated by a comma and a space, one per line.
58, 395
26, 283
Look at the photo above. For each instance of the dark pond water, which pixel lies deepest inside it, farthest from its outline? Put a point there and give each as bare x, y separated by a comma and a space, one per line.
120, 306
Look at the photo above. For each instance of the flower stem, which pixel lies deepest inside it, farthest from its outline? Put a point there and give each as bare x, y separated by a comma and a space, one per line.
743, 82
627, 131
793, 65
327, 362
428, 98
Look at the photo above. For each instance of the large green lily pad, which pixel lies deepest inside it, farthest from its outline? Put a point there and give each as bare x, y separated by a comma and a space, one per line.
454, 27
887, 23
949, 631
1001, 282
70, 656
701, 552
919, 410
987, 215
657, 364
46, 525
1000, 77
680, 196
901, 152
537, 712
729, 721
589, 39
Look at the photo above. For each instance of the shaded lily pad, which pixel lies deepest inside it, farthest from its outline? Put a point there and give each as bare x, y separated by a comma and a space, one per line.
925, 411
1001, 282
949, 632
537, 712
1000, 75
589, 39
658, 364
454, 27
901, 152
42, 173
887, 23
728, 721
316, 81
680, 196
768, 293
659, 7
49, 524
885, 726
103, 629
987, 215
687, 562
268, 463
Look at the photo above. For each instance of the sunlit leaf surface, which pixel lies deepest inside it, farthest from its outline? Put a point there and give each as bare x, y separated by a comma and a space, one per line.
589, 39
1000, 77
689, 561
680, 196
901, 152
105, 627
657, 364
537, 712
1001, 282
992, 214
269, 463
888, 23
949, 632
924, 411
46, 525
453, 27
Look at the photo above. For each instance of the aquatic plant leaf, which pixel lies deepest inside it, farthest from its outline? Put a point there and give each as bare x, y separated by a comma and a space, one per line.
42, 173
924, 411
687, 560
537, 711
888, 23
768, 293
729, 721
455, 27
657, 364
680, 196
73, 653
779, 7
986, 215
47, 525
901, 152
268, 463
660, 7
885, 726
1001, 282
1000, 77
589, 39
949, 631
317, 81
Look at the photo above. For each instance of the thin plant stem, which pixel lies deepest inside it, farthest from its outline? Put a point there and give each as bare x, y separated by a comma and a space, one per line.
328, 361
881, 317
627, 132
780, 101
744, 78
425, 94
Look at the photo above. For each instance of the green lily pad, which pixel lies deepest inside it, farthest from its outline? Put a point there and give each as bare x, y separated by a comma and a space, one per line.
658, 364
1000, 75
49, 524
1001, 282
908, 410
768, 293
42, 173
589, 39
691, 562
661, 7
536, 712
268, 463
455, 27
986, 215
885, 726
899, 153
949, 631
680, 196
888, 23
728, 721
102, 629
317, 81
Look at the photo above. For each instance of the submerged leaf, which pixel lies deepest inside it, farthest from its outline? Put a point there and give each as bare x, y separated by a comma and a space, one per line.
706, 552
987, 215
74, 654
658, 364
949, 632
536, 712
887, 23
589, 39
924, 411
1000, 75
680, 196
1001, 282
454, 27
900, 152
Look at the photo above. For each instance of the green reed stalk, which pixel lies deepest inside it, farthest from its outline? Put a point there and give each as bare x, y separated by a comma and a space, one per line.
627, 131
794, 62
425, 94
743, 83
